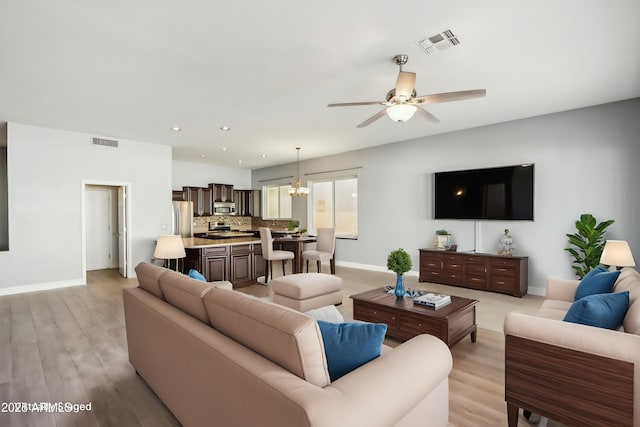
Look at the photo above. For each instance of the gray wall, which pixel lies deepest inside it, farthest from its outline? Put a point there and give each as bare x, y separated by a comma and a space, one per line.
586, 162
47, 168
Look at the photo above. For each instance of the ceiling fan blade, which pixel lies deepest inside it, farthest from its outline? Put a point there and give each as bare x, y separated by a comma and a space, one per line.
372, 119
351, 104
427, 115
404, 85
450, 96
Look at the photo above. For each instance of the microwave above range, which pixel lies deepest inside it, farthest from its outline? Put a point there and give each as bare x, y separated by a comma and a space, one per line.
224, 208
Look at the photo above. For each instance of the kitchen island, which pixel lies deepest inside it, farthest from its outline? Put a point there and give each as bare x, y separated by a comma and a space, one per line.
236, 259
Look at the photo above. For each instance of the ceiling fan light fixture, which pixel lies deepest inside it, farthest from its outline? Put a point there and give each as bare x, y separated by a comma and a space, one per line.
401, 112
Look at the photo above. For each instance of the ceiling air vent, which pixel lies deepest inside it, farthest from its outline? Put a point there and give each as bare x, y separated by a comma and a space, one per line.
105, 142
434, 44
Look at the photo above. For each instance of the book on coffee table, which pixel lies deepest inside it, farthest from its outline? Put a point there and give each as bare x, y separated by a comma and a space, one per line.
433, 300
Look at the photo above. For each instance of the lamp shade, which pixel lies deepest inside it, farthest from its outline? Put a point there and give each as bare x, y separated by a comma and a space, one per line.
401, 112
618, 253
169, 247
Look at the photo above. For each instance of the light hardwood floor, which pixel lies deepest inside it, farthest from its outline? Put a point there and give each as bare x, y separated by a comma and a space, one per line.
69, 345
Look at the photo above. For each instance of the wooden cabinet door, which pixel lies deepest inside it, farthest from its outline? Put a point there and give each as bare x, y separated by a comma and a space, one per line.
216, 268
206, 203
503, 274
240, 263
475, 271
258, 261
431, 265
453, 269
190, 194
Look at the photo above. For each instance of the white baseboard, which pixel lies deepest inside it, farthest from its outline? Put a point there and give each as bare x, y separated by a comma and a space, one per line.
533, 290
12, 290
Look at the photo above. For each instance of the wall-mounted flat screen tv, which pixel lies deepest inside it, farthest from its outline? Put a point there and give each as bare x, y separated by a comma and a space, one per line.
501, 193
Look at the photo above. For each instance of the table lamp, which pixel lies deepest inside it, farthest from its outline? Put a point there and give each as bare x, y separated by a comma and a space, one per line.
170, 247
617, 253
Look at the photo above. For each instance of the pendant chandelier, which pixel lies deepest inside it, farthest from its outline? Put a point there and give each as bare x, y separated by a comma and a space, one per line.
298, 190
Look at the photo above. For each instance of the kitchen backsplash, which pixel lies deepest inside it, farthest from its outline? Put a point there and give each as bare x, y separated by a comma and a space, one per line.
201, 223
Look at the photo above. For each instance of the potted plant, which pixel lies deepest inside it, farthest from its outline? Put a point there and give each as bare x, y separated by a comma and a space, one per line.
399, 262
588, 242
293, 225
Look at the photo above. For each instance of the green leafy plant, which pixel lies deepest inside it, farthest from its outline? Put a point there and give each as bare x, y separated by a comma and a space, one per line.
399, 261
587, 243
293, 224
303, 231
442, 232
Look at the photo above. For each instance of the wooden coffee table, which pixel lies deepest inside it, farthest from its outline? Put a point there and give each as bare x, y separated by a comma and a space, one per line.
405, 320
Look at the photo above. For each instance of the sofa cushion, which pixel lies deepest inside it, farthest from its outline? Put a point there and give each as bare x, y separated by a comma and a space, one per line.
350, 345
629, 280
148, 275
597, 281
554, 309
195, 274
601, 310
286, 337
185, 293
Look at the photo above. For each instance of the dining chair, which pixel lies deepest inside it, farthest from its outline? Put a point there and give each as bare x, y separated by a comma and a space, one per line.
325, 249
270, 255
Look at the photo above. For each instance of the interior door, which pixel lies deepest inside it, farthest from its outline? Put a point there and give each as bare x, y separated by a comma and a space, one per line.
99, 231
122, 231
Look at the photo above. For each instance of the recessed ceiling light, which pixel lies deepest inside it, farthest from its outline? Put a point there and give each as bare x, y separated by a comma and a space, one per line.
176, 128
239, 161
225, 128
224, 149
203, 156
263, 155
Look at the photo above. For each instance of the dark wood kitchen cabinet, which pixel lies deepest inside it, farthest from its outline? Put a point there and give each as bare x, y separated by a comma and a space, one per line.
201, 199
206, 201
239, 264
245, 202
487, 272
177, 196
221, 192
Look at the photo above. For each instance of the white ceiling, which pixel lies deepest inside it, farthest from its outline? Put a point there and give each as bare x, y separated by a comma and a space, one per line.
133, 69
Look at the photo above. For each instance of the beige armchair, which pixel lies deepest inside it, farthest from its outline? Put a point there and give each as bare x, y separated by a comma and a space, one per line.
271, 255
325, 249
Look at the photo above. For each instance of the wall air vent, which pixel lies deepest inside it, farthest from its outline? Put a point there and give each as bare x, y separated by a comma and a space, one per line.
437, 42
105, 142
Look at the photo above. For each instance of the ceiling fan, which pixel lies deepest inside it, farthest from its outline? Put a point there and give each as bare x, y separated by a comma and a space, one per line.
402, 102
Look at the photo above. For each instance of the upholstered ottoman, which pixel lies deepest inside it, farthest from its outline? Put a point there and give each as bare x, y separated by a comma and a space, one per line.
306, 291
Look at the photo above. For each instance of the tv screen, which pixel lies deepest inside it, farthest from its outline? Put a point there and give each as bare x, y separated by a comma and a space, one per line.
502, 193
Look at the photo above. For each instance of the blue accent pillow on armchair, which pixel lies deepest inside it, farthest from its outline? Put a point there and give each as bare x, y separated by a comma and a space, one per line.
195, 274
601, 310
597, 281
349, 345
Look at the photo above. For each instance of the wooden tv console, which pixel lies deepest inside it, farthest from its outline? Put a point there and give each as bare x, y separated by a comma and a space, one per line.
487, 272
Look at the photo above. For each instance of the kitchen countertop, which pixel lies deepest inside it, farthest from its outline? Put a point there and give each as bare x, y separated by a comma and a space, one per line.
201, 242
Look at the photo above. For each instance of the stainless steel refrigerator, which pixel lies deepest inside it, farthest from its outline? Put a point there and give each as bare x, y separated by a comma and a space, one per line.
183, 218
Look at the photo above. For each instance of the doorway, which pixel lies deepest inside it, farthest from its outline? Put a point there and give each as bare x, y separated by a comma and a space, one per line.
105, 233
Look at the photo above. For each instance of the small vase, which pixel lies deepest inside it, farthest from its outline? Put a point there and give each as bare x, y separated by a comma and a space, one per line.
399, 289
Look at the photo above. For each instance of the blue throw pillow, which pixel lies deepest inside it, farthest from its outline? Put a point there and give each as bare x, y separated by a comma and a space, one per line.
597, 281
195, 274
601, 310
349, 345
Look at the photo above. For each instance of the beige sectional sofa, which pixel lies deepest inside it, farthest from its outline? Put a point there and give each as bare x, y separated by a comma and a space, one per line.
573, 373
218, 357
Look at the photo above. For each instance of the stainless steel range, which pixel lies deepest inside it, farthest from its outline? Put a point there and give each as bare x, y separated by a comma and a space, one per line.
223, 230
